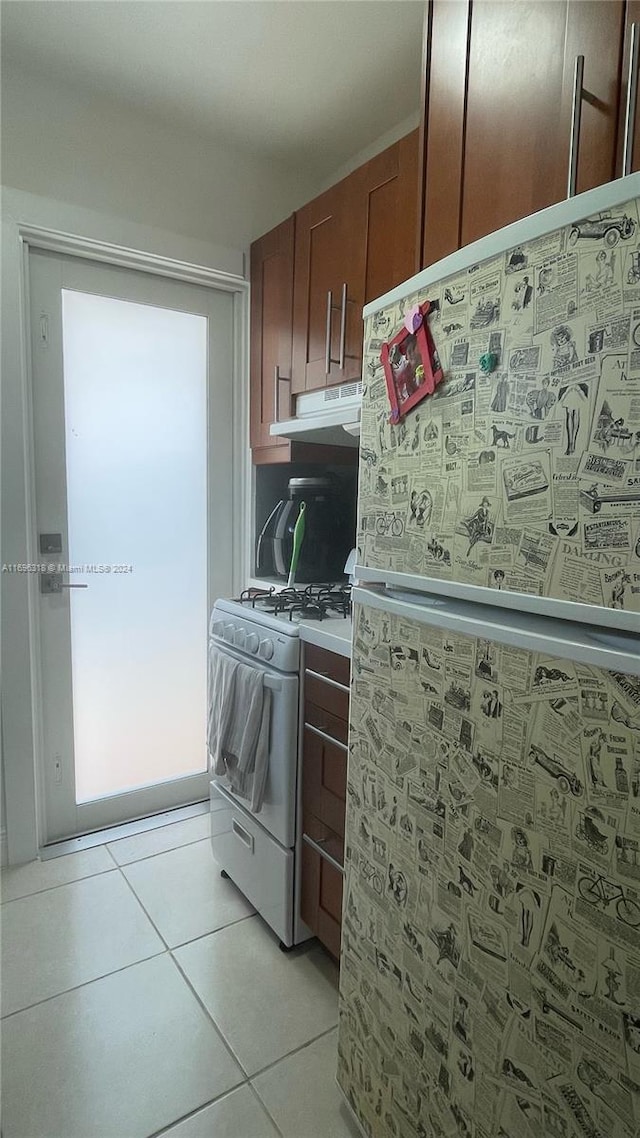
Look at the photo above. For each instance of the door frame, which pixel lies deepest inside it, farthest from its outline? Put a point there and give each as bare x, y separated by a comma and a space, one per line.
24, 802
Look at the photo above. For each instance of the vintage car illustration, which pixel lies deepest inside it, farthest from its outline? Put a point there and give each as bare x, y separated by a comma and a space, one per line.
567, 780
605, 225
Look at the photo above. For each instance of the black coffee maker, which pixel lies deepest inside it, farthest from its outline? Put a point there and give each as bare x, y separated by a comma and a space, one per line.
328, 534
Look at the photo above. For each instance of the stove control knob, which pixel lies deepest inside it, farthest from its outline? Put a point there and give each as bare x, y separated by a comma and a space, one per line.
217, 628
228, 632
239, 637
266, 649
253, 642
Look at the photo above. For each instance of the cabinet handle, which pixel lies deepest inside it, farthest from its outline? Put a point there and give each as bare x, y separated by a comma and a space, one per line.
323, 853
331, 307
322, 734
276, 399
327, 343
632, 92
326, 679
343, 327
576, 115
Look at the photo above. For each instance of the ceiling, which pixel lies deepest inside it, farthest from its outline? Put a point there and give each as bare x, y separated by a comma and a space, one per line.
304, 82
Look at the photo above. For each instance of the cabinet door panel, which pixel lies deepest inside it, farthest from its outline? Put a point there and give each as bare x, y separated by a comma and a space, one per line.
324, 781
498, 110
271, 334
321, 886
318, 269
515, 156
392, 210
632, 16
595, 29
444, 144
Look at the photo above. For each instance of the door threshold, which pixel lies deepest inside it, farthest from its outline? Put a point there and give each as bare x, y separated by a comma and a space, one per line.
124, 830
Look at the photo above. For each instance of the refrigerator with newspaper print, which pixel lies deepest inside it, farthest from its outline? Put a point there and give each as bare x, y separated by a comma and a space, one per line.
490, 967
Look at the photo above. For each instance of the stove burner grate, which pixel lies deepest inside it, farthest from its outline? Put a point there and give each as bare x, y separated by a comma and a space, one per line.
314, 602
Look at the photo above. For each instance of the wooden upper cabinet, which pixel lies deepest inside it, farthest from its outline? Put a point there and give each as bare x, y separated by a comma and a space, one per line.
271, 337
632, 16
499, 105
357, 240
320, 269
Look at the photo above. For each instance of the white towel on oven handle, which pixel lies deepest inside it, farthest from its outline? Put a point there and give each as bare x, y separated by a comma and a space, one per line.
239, 721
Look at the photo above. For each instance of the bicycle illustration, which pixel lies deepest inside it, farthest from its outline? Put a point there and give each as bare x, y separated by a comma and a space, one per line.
389, 524
600, 891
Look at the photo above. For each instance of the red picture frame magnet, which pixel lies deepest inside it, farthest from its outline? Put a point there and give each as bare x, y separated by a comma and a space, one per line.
412, 368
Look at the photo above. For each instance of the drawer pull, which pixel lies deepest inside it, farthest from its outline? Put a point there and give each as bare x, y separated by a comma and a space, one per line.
326, 679
317, 847
245, 837
322, 733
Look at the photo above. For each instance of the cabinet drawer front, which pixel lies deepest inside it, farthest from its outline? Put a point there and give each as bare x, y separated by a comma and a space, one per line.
327, 664
323, 694
336, 727
324, 781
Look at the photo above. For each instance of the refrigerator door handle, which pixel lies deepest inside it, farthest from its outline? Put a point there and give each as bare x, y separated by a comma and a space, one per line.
576, 115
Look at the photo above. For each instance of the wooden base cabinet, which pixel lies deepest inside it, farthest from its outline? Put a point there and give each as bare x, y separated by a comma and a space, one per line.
324, 792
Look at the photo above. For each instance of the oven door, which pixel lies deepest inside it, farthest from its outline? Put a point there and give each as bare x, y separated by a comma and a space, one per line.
279, 805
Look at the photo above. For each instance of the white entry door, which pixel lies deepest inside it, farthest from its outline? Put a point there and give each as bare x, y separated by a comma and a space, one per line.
132, 413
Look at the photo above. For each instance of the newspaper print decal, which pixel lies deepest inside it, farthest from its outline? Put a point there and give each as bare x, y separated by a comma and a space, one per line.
490, 979
526, 478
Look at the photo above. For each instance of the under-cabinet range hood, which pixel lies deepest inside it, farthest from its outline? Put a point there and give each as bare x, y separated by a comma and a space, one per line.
330, 416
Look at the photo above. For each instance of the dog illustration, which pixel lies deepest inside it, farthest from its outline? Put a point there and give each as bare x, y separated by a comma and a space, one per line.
501, 438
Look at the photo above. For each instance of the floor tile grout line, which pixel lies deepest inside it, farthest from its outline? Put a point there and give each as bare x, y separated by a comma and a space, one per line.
209, 1016
61, 884
158, 853
212, 932
183, 944
289, 1054
216, 1100
101, 872
84, 984
264, 1107
149, 918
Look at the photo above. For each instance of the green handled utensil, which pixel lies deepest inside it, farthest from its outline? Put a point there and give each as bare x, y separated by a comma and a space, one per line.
298, 538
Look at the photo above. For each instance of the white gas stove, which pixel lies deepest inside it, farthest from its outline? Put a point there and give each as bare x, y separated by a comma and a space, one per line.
258, 851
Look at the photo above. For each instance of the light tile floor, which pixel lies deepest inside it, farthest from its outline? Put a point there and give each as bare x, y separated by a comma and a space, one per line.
142, 996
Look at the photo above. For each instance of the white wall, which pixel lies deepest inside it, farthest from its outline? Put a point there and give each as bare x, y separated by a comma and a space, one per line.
95, 153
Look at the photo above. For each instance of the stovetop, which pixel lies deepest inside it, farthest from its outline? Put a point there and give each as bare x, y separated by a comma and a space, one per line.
311, 602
